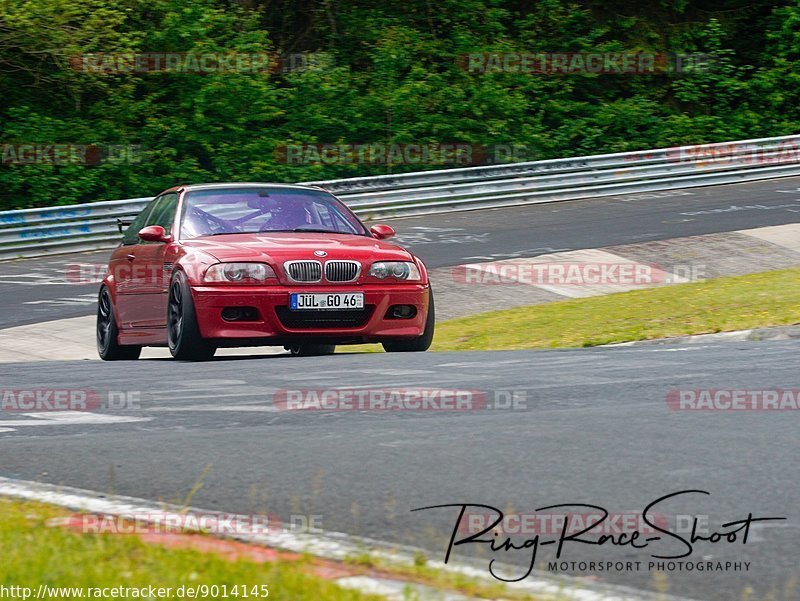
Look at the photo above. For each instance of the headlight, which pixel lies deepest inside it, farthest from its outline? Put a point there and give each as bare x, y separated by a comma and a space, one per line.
400, 270
239, 273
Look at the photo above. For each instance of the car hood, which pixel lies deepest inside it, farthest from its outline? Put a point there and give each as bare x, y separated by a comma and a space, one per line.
276, 248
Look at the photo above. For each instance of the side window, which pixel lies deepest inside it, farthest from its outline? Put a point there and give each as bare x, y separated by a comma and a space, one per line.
323, 215
131, 235
164, 211
333, 219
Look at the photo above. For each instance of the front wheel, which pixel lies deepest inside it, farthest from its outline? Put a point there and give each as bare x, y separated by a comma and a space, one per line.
421, 343
183, 332
107, 346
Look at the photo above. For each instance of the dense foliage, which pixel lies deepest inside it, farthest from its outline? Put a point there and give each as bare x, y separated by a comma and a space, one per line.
385, 72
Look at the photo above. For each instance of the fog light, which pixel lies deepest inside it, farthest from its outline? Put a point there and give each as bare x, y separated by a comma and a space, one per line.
240, 314
401, 312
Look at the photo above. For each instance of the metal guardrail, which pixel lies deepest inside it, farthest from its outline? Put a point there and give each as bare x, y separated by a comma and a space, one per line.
92, 226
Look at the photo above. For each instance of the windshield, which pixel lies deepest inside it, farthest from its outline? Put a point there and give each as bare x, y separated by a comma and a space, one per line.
251, 210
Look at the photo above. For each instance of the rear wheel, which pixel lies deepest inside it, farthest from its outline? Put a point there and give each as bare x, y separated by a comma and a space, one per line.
183, 333
311, 350
107, 346
421, 343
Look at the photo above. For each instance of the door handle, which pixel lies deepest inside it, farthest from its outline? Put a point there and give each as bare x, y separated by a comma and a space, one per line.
130, 257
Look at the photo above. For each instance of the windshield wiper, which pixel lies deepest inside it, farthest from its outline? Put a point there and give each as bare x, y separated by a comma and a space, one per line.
316, 229
301, 229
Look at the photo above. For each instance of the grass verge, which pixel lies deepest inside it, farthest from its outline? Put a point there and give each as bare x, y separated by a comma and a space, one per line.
35, 553
723, 304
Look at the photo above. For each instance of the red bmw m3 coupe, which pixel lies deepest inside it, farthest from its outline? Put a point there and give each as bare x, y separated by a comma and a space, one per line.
220, 265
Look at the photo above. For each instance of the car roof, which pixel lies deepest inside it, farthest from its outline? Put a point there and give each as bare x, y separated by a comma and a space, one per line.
220, 186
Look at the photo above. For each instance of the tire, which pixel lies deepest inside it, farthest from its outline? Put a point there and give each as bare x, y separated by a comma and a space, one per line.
311, 350
421, 343
107, 332
183, 333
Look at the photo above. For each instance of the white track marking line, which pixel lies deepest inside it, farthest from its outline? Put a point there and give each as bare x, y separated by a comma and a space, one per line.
220, 408
83, 298
40, 283
70, 418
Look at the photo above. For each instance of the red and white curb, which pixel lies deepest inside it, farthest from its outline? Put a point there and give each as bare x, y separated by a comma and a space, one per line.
333, 546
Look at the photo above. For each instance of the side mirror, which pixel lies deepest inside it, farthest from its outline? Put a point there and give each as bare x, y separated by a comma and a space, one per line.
154, 233
381, 231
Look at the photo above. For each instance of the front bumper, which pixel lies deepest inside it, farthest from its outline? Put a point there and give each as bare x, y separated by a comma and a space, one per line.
277, 324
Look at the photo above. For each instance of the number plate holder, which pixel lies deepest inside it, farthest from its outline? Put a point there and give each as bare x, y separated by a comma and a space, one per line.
324, 301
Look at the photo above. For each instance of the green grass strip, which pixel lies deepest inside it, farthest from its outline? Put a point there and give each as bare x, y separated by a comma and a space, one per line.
758, 300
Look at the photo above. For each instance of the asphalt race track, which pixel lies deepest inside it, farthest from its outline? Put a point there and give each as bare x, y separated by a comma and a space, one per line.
596, 429
591, 426
37, 290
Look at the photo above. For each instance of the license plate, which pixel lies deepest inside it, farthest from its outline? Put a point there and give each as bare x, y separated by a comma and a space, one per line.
302, 301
